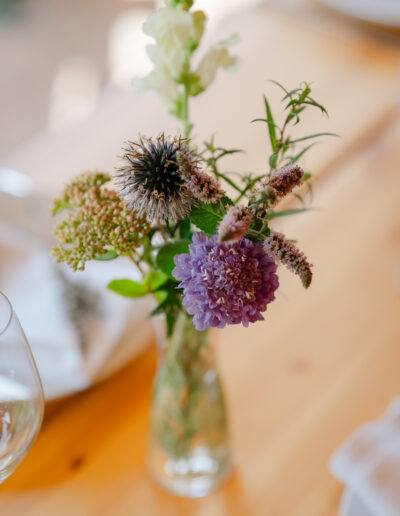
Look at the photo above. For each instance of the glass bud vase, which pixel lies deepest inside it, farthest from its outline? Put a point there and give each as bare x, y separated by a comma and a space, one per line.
189, 451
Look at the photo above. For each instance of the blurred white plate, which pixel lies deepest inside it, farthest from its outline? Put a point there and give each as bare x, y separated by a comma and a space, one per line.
79, 332
381, 12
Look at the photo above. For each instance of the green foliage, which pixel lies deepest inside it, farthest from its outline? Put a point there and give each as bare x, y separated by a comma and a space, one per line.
183, 4
214, 155
185, 230
128, 288
272, 214
166, 255
295, 101
206, 217
155, 280
60, 205
169, 304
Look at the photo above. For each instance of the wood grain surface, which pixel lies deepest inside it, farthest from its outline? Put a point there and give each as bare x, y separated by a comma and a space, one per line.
322, 363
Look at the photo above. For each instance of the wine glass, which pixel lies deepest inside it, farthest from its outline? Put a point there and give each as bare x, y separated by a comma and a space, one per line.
21, 393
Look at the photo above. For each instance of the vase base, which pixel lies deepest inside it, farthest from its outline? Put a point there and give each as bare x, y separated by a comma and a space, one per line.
192, 477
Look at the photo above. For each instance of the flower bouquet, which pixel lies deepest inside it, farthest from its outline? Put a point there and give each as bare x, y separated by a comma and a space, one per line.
201, 238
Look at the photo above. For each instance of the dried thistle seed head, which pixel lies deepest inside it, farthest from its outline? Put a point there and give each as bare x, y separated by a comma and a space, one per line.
284, 251
234, 225
97, 222
200, 184
150, 180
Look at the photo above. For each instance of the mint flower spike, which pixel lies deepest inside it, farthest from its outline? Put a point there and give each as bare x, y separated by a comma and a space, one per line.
97, 222
200, 184
285, 179
284, 251
234, 225
273, 189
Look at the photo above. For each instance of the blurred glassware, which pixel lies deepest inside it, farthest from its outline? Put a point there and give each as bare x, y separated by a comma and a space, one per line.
15, 183
380, 12
21, 394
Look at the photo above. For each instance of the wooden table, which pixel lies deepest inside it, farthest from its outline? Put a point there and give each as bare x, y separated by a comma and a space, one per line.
323, 362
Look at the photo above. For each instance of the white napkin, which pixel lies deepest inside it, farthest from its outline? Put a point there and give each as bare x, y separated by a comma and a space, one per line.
73, 324
368, 463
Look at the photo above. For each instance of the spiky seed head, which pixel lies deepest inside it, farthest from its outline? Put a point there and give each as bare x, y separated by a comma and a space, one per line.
150, 180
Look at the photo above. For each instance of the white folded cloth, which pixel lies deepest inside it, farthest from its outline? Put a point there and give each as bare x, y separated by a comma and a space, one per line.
368, 463
77, 329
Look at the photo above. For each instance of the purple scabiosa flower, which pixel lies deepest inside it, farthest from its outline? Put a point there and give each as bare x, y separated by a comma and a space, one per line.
225, 284
234, 225
200, 184
286, 252
150, 180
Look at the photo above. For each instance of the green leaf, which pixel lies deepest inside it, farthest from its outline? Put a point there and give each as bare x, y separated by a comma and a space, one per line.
59, 206
265, 121
285, 213
314, 103
170, 304
304, 93
271, 125
128, 288
226, 201
226, 152
195, 88
161, 296
273, 160
184, 230
312, 136
306, 176
288, 93
299, 198
109, 255
165, 256
155, 280
206, 217
301, 153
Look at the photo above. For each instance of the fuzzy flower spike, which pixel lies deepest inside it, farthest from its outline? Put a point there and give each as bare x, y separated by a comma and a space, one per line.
234, 225
150, 181
273, 189
225, 284
200, 184
284, 251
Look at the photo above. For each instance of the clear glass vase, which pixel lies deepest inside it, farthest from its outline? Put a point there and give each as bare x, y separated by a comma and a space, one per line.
189, 451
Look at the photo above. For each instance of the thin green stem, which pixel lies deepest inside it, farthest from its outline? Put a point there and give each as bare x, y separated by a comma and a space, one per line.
137, 263
162, 232
225, 178
185, 110
256, 234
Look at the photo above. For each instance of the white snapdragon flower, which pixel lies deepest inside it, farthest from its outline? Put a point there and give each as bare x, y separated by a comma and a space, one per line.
217, 57
174, 32
160, 81
177, 33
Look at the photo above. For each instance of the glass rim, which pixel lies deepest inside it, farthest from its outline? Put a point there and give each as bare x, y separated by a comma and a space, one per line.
3, 330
